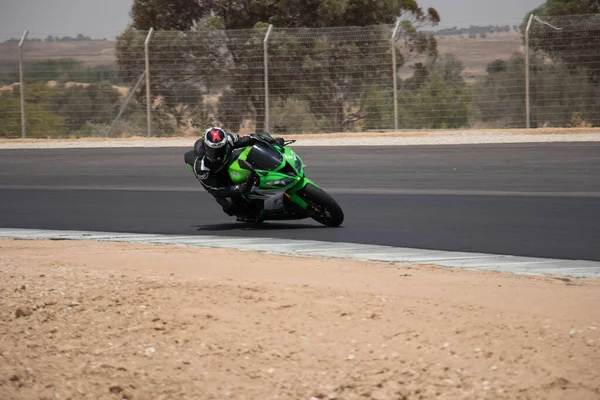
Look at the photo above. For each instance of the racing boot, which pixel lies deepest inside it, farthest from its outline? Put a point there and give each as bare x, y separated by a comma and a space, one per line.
253, 219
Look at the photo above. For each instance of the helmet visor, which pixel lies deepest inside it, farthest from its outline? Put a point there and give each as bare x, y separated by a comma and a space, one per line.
216, 153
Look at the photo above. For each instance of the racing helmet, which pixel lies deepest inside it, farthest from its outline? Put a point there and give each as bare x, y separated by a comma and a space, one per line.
216, 145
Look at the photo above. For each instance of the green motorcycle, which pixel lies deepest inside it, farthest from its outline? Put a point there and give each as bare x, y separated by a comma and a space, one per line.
279, 188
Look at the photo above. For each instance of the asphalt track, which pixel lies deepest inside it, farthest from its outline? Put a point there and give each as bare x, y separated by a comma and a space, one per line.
539, 200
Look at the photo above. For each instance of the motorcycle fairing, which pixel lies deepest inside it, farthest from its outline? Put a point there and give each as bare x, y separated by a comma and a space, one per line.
280, 171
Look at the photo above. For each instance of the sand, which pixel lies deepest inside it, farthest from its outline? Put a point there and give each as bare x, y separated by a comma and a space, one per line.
94, 320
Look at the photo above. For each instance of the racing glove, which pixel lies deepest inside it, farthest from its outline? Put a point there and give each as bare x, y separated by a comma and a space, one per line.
239, 189
268, 138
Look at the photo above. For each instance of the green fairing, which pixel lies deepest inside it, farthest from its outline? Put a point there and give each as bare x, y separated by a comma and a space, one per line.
280, 190
239, 175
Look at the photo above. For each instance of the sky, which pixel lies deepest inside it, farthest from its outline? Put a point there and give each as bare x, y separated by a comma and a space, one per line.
107, 18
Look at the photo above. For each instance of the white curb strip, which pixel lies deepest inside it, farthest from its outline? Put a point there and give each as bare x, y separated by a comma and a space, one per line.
313, 248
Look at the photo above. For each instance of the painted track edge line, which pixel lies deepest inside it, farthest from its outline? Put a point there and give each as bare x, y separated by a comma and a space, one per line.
320, 249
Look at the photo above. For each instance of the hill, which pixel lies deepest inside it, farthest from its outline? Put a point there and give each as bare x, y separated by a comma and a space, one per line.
475, 53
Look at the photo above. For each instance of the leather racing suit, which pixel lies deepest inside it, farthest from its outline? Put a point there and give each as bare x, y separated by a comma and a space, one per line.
215, 177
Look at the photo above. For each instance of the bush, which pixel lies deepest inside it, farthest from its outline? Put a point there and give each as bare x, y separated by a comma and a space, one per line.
436, 96
436, 105
290, 116
40, 122
379, 109
96, 104
69, 69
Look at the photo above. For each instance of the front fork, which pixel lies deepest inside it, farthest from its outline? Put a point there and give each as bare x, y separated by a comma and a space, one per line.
294, 198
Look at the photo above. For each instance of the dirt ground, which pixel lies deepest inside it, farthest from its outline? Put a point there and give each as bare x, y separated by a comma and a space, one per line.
93, 320
340, 135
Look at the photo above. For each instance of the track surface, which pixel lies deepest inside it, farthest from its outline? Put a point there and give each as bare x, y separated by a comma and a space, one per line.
538, 200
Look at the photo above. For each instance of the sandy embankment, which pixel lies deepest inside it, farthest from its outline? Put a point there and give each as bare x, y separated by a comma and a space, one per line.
90, 320
393, 138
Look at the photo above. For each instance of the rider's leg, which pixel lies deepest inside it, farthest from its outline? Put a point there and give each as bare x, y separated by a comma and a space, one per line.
229, 207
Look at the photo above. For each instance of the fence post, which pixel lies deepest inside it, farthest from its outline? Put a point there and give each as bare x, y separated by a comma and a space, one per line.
394, 74
148, 97
131, 93
527, 110
266, 68
22, 85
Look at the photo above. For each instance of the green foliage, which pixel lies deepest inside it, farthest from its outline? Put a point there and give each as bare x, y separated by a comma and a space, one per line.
74, 105
289, 116
500, 96
96, 103
435, 97
379, 109
51, 69
436, 105
245, 14
577, 41
40, 122
450, 68
497, 66
336, 98
567, 7
183, 67
168, 14
559, 94
65, 69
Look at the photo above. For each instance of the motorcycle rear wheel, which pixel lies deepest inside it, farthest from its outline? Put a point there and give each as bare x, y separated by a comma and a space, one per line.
321, 206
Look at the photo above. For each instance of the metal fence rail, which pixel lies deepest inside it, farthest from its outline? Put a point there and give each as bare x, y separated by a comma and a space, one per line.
298, 80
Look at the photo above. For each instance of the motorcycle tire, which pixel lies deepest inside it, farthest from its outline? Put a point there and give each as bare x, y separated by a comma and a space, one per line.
321, 206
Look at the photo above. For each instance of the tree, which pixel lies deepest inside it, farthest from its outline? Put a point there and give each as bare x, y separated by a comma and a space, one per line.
577, 41
168, 15
241, 80
567, 7
245, 14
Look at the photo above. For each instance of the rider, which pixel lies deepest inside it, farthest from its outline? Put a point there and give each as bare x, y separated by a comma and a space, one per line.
209, 161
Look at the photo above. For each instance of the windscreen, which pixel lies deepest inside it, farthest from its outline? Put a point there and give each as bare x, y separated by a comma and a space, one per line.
263, 157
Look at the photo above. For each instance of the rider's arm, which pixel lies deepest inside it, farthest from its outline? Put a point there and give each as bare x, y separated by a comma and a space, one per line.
219, 189
241, 141
245, 141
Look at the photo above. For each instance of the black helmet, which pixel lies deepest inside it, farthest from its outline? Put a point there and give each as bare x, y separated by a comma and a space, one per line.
216, 145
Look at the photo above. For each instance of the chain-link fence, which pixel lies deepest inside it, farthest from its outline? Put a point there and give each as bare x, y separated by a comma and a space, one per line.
10, 108
564, 70
304, 80
70, 89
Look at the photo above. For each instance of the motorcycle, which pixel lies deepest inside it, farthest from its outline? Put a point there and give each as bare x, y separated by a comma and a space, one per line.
279, 189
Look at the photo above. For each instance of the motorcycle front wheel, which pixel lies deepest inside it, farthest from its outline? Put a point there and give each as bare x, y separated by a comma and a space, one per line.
321, 206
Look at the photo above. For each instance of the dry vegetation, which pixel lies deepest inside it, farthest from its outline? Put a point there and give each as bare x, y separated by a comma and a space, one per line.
94, 52
474, 53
